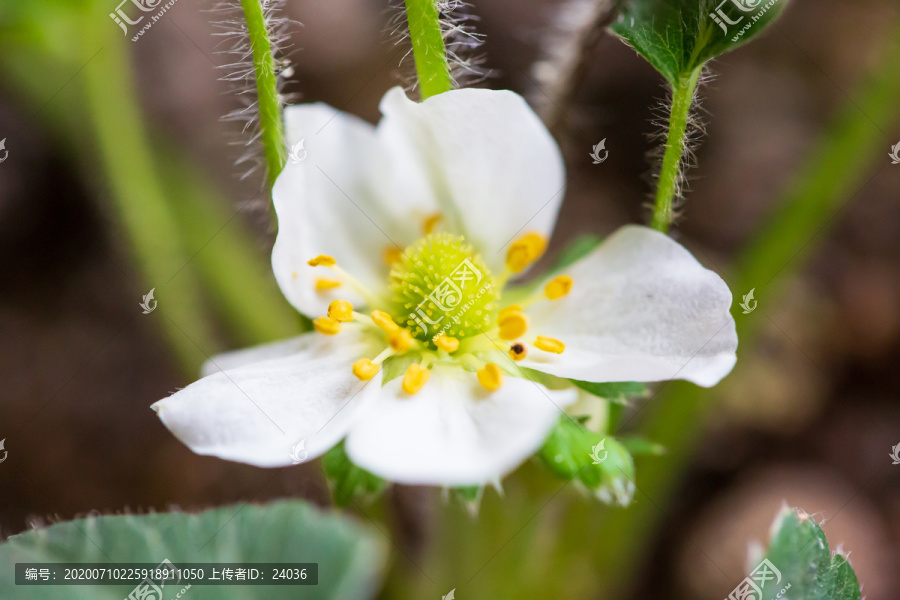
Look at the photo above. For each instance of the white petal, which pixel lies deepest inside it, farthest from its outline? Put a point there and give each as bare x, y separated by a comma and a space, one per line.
454, 432
642, 309
329, 204
228, 361
483, 156
256, 413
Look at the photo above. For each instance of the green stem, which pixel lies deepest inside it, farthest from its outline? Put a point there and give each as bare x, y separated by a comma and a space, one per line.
428, 47
269, 101
676, 144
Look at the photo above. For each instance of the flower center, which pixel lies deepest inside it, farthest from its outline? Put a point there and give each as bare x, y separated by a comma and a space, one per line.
442, 287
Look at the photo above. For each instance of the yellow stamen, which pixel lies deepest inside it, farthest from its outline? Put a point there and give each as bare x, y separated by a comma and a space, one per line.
518, 352
327, 326
365, 369
322, 260
490, 377
294, 275
525, 251
447, 344
513, 325
415, 379
341, 310
326, 284
559, 287
384, 320
512, 308
548, 344
392, 254
400, 339
430, 223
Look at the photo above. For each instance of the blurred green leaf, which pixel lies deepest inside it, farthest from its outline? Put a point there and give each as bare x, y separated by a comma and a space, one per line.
347, 480
678, 37
350, 557
598, 461
799, 550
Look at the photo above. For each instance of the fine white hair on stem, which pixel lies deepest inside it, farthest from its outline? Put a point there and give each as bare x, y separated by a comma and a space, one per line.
240, 73
694, 132
461, 42
566, 52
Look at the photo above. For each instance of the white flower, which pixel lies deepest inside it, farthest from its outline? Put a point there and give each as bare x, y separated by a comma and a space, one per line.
473, 164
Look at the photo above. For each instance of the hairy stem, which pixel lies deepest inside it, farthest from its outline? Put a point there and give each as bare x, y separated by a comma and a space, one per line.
428, 47
266, 88
670, 174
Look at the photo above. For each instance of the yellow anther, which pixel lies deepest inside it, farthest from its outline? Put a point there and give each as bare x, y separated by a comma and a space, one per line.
430, 223
327, 325
490, 377
327, 284
294, 275
322, 260
548, 344
525, 251
447, 344
341, 310
365, 369
392, 254
415, 379
511, 309
384, 320
400, 339
559, 287
517, 352
513, 325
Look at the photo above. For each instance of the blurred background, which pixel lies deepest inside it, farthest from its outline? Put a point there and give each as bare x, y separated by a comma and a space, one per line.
97, 126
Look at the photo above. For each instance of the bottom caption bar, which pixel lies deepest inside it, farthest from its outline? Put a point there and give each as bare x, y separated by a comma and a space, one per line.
167, 574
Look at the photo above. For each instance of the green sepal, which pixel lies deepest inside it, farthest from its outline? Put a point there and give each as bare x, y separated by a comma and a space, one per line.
569, 451
346, 480
395, 366
619, 392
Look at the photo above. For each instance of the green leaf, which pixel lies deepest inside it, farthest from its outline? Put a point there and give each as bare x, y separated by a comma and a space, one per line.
570, 452
350, 557
347, 480
678, 37
395, 366
801, 562
619, 392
